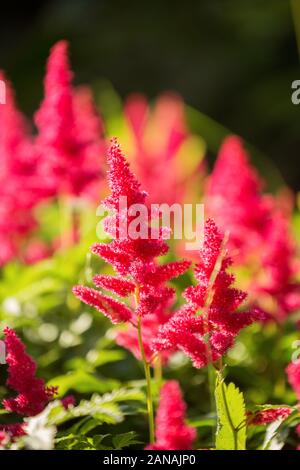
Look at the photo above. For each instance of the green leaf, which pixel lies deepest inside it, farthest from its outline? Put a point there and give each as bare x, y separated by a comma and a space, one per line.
82, 382
104, 409
231, 429
97, 442
80, 442
125, 440
202, 422
88, 424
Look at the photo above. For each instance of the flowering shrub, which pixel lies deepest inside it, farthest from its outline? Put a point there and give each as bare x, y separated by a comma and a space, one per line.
127, 344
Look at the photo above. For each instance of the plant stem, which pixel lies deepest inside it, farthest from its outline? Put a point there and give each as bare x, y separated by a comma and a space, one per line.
208, 300
158, 371
211, 385
148, 382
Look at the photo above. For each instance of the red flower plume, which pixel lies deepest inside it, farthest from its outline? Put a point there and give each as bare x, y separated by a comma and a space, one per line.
206, 326
171, 431
33, 395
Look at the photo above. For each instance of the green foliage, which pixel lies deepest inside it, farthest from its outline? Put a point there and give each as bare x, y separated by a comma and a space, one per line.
83, 442
75, 350
231, 431
91, 415
82, 382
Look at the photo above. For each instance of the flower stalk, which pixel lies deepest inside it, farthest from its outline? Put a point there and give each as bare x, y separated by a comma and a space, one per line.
147, 372
148, 384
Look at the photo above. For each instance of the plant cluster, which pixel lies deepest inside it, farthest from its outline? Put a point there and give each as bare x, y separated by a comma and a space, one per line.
159, 352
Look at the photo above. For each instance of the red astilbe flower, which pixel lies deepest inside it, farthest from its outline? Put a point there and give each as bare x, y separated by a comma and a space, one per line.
18, 182
159, 139
17, 156
267, 416
206, 326
234, 198
259, 229
70, 142
171, 431
293, 373
2, 439
116, 311
280, 267
134, 259
68, 402
13, 430
33, 395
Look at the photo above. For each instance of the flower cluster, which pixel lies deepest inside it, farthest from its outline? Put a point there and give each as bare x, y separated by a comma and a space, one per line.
258, 226
172, 433
64, 158
205, 327
33, 395
18, 192
267, 416
134, 260
70, 133
159, 141
9, 432
280, 266
293, 373
234, 199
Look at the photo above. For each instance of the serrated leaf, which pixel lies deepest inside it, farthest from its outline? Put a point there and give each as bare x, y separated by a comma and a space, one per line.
231, 429
88, 425
125, 440
97, 442
104, 409
80, 442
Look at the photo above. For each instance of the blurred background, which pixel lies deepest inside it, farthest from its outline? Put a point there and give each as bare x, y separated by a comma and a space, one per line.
233, 61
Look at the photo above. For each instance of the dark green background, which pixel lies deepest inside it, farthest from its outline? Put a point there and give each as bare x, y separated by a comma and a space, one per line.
232, 59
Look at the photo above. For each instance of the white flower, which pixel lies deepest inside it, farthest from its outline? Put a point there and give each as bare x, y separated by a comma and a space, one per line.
40, 435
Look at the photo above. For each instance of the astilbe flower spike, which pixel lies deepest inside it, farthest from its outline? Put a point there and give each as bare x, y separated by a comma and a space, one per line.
259, 229
159, 141
205, 327
172, 433
69, 142
280, 267
33, 395
133, 259
13, 431
267, 416
234, 198
68, 402
19, 187
293, 373
116, 311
